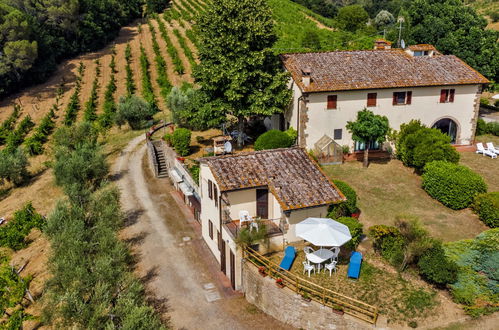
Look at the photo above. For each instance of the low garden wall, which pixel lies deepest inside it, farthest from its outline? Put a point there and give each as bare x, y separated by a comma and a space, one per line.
289, 307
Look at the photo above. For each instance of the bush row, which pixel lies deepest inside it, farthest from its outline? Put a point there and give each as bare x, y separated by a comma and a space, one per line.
172, 51
417, 145
453, 185
13, 234
147, 90
408, 244
192, 12
487, 128
109, 107
184, 13
90, 113
73, 106
199, 9
8, 124
34, 144
192, 37
130, 82
172, 14
163, 82
16, 137
187, 51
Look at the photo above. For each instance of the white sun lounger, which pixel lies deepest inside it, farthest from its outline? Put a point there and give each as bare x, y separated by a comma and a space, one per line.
490, 147
485, 152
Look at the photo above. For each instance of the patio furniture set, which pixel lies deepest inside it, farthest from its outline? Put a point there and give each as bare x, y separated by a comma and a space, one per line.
490, 151
316, 259
322, 232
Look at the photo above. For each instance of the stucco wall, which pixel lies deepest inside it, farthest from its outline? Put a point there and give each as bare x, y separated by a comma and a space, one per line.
288, 307
425, 106
246, 200
208, 210
300, 215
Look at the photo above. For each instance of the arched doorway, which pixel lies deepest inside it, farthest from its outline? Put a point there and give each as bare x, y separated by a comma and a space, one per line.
447, 126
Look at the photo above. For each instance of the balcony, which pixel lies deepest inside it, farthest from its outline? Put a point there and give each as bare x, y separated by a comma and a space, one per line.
271, 225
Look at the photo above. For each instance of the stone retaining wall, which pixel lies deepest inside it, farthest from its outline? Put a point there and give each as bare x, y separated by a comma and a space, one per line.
290, 308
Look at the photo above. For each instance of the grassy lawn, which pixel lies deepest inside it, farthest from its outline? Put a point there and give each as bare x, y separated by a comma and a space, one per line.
388, 189
487, 167
397, 299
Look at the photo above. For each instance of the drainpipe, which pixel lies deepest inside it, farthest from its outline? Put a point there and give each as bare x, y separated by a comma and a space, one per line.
298, 118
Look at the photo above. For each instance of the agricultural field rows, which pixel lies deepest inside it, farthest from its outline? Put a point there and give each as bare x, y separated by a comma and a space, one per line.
88, 87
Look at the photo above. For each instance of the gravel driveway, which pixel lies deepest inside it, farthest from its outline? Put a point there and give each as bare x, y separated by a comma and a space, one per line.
172, 258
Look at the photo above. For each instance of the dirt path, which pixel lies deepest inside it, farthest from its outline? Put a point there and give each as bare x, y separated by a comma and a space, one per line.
319, 24
176, 270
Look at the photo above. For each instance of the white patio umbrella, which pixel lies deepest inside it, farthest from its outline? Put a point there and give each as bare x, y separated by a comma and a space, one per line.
323, 232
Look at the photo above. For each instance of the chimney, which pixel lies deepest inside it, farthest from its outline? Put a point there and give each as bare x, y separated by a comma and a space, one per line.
306, 77
382, 44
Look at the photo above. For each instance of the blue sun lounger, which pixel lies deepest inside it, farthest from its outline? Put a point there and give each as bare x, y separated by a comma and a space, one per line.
354, 266
289, 257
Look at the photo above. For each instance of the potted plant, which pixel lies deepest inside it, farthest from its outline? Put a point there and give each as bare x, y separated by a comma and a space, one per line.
279, 283
306, 297
346, 151
262, 271
338, 309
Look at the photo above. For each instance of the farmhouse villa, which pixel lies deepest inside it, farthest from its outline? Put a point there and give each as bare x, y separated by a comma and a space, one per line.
279, 187
329, 88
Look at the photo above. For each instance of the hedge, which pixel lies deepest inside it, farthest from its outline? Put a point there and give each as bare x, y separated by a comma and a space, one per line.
273, 139
181, 140
346, 208
453, 185
355, 230
13, 234
483, 127
487, 208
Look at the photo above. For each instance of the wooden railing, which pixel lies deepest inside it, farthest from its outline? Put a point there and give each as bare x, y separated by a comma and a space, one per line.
314, 291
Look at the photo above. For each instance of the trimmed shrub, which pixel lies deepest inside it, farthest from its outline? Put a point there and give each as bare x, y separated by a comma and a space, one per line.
345, 208
355, 230
417, 145
181, 140
436, 267
487, 208
453, 185
493, 128
292, 133
273, 139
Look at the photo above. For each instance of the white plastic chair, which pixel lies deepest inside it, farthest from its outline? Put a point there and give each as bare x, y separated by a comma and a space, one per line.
336, 251
330, 267
308, 250
491, 148
308, 268
485, 152
244, 217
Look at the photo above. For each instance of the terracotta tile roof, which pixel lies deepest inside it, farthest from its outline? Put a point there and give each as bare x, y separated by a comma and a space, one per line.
421, 47
370, 69
290, 174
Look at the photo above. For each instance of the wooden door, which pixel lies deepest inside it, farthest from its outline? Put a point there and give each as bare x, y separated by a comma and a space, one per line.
262, 203
232, 270
222, 258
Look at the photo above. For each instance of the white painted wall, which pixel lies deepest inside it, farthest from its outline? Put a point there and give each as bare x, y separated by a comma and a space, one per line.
297, 216
209, 211
425, 106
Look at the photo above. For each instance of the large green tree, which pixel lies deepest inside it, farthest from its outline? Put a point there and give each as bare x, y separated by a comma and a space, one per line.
455, 29
368, 128
352, 18
238, 71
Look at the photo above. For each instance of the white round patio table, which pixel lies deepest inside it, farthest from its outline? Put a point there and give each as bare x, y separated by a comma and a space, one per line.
319, 256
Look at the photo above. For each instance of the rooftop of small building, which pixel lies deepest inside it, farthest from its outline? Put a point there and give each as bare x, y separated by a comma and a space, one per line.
294, 178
